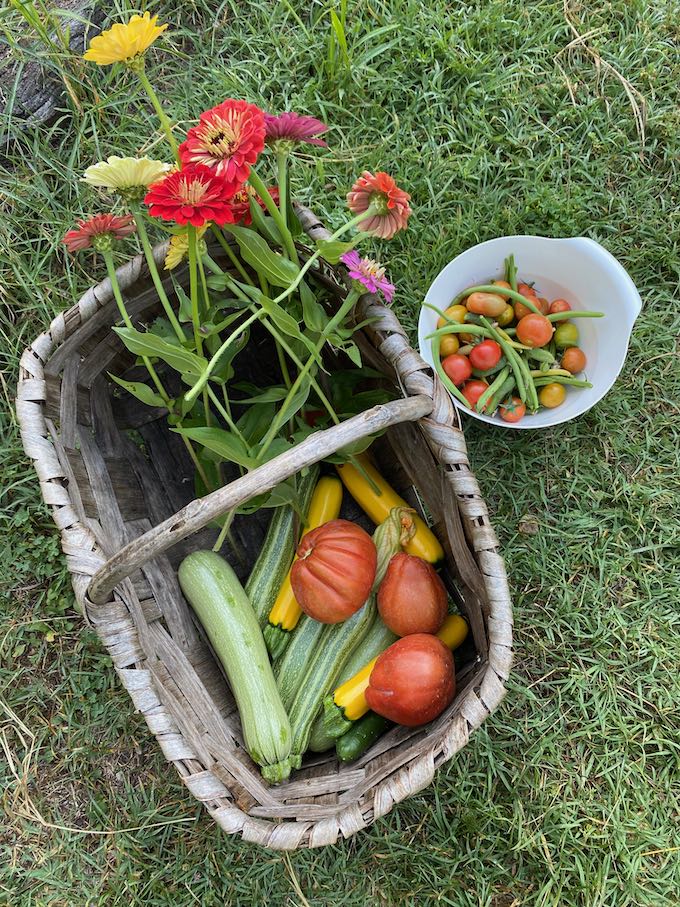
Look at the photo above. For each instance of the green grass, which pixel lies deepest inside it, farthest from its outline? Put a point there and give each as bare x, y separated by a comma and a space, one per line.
568, 795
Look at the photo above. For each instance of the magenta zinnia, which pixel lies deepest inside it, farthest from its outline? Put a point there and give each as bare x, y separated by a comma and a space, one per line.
389, 203
98, 232
194, 195
293, 127
229, 138
369, 274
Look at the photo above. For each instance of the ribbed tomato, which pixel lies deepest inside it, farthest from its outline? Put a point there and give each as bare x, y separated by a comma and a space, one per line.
412, 681
411, 597
334, 572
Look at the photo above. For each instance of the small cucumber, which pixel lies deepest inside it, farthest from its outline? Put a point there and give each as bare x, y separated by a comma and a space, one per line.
361, 735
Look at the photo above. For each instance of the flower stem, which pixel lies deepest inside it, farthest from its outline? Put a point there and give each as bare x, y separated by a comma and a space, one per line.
219, 236
282, 170
155, 276
226, 415
269, 204
228, 520
193, 392
193, 288
162, 116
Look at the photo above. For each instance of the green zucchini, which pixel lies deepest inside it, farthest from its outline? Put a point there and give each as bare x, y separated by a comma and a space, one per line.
291, 667
338, 641
221, 605
278, 548
360, 736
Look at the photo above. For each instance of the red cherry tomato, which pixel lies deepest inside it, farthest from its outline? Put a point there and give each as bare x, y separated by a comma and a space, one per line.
412, 681
457, 367
512, 410
573, 359
559, 305
473, 390
529, 293
534, 330
411, 597
485, 355
335, 571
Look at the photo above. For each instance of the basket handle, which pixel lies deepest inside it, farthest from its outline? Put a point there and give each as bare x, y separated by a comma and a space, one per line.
200, 512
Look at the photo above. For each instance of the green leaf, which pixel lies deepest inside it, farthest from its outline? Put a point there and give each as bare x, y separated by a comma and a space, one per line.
279, 271
225, 444
296, 403
148, 344
269, 395
139, 390
331, 250
255, 421
184, 304
278, 446
313, 312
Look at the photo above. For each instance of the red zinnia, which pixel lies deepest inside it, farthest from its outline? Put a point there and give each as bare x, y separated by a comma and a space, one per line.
391, 202
193, 195
229, 138
101, 225
294, 127
240, 203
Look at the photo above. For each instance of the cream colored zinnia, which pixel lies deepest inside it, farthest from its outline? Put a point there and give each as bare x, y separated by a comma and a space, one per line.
123, 42
179, 248
120, 174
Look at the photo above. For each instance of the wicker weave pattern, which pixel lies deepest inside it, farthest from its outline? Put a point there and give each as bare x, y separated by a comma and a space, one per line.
104, 493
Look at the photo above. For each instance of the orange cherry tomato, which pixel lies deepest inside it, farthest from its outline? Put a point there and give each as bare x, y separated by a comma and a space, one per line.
512, 410
543, 305
559, 305
534, 330
529, 293
504, 284
573, 359
458, 368
448, 345
485, 304
552, 395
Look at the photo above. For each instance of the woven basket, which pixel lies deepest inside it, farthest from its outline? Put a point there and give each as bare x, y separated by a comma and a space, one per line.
121, 505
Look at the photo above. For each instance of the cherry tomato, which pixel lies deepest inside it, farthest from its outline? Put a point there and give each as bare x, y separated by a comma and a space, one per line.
552, 395
573, 359
448, 345
543, 305
458, 368
455, 313
529, 293
411, 598
559, 305
485, 355
504, 284
473, 390
534, 330
413, 680
512, 410
506, 317
566, 334
485, 304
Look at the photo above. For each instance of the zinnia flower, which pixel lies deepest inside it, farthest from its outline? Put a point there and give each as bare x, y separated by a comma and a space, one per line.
229, 138
369, 274
98, 232
293, 127
240, 203
179, 248
389, 202
128, 176
193, 195
123, 42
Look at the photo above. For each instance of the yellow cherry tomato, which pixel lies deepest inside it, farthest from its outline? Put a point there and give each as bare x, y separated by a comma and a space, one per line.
455, 313
552, 395
448, 345
506, 317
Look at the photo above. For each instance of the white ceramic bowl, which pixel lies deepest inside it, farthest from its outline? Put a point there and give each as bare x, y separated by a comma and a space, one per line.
578, 270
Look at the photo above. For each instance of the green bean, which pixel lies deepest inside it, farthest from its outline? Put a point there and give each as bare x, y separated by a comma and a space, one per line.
491, 389
511, 271
552, 371
512, 358
459, 329
499, 291
486, 373
443, 377
532, 396
541, 355
500, 395
563, 316
559, 379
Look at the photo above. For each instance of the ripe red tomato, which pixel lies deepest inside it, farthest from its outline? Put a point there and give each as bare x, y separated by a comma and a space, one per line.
473, 390
573, 359
457, 367
485, 355
489, 304
512, 410
534, 330
412, 681
559, 305
411, 597
334, 572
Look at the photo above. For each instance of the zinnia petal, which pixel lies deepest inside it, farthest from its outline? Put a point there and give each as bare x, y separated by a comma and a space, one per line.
380, 191
124, 41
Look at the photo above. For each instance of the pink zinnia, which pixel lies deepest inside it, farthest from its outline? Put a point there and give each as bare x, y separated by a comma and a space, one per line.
293, 127
229, 138
369, 274
98, 231
389, 202
193, 195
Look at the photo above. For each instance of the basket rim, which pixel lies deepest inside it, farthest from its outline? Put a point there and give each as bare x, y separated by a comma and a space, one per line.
78, 538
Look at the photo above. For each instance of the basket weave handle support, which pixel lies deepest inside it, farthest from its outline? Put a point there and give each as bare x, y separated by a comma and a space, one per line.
199, 513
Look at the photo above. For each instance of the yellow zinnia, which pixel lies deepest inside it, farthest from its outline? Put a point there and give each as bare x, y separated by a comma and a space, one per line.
123, 174
179, 248
123, 42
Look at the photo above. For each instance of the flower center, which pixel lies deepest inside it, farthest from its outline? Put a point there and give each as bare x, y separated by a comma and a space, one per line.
192, 192
379, 201
221, 138
371, 268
